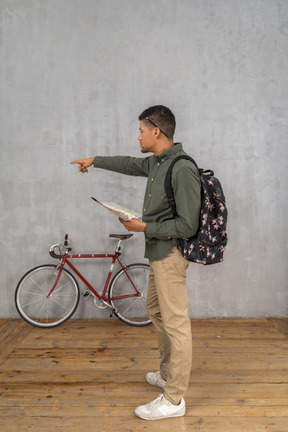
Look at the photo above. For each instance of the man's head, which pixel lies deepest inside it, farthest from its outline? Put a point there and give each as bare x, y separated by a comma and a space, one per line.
157, 126
161, 117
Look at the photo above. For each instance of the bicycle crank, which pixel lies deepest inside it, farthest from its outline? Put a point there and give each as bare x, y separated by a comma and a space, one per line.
100, 304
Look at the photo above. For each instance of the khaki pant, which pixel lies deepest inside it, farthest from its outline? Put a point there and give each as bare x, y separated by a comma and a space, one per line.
167, 306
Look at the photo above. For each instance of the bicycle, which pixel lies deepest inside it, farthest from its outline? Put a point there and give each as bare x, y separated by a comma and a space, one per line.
48, 295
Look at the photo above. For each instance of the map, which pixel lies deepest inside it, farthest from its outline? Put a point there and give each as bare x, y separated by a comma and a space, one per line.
120, 211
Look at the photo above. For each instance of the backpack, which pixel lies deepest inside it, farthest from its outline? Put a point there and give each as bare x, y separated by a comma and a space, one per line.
208, 245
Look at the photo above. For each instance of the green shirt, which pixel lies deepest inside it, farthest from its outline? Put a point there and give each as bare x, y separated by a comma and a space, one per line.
162, 230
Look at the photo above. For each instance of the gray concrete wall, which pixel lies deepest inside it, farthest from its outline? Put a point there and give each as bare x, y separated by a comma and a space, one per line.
75, 74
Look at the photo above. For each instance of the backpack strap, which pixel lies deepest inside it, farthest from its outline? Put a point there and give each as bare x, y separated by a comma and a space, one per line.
168, 182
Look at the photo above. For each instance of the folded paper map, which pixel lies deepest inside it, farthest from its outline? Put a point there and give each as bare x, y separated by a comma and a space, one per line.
119, 210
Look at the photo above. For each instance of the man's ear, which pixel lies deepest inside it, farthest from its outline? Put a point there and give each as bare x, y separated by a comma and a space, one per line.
157, 132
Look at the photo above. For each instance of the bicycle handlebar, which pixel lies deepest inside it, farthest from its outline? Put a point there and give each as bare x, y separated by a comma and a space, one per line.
52, 251
60, 247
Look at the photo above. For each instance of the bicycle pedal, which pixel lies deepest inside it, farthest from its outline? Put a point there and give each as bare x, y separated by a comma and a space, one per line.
112, 313
87, 293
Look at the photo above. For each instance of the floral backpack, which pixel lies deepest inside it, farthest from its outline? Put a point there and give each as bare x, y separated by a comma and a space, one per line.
208, 245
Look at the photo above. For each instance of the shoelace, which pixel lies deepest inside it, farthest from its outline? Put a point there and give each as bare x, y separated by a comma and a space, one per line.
159, 401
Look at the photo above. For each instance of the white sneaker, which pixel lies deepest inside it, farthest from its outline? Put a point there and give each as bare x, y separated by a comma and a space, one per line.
154, 378
159, 409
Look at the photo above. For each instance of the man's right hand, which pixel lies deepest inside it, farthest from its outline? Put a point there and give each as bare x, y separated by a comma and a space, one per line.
83, 164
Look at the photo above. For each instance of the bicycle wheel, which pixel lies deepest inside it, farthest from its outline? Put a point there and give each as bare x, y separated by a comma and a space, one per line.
131, 310
31, 298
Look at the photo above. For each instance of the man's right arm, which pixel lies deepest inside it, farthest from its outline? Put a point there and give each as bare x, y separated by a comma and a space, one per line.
123, 164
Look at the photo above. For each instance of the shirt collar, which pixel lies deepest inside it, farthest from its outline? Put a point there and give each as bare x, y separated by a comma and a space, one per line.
170, 152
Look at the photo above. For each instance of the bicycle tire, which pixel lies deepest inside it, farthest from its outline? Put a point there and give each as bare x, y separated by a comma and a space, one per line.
31, 298
131, 310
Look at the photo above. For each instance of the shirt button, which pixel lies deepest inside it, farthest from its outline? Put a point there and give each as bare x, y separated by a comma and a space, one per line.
152, 179
149, 195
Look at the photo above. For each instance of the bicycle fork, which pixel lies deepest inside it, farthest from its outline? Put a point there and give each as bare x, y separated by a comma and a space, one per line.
58, 269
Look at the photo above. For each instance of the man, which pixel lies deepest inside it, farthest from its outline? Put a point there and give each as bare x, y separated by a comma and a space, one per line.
167, 300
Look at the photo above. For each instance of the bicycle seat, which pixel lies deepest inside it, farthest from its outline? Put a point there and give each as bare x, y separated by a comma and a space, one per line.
121, 236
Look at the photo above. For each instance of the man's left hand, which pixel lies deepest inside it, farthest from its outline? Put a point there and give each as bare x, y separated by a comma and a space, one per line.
134, 225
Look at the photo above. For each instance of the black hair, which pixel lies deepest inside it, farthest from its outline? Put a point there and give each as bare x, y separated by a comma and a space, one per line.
161, 117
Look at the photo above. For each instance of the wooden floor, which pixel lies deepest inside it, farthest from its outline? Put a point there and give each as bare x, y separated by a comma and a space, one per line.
89, 375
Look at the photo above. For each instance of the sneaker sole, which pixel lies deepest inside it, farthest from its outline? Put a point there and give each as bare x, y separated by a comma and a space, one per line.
178, 414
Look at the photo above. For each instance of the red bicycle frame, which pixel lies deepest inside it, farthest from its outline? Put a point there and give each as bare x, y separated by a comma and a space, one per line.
115, 257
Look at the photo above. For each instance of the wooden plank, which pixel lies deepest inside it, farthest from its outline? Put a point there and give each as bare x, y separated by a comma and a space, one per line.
7, 327
129, 423
84, 341
116, 408
12, 335
141, 363
205, 391
198, 352
104, 375
280, 325
247, 328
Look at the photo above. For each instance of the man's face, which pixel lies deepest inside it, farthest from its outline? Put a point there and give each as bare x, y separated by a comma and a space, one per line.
146, 138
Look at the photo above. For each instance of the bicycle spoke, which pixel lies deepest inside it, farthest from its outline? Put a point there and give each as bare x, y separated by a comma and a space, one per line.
32, 293
42, 308
61, 295
30, 303
129, 306
37, 285
57, 302
59, 288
